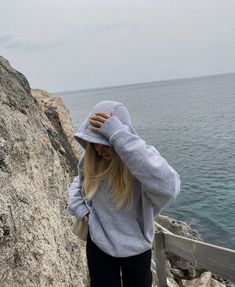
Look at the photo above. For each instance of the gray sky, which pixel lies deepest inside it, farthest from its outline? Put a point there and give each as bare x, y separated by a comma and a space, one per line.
77, 44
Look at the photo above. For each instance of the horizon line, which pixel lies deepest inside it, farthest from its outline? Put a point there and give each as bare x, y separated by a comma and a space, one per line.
136, 84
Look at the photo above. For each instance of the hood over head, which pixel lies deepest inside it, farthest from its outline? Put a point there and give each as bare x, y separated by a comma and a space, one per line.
85, 134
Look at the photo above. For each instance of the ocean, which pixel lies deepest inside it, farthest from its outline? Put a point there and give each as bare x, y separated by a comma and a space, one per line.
192, 124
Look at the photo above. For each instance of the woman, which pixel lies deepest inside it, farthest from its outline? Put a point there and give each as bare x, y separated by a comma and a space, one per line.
122, 185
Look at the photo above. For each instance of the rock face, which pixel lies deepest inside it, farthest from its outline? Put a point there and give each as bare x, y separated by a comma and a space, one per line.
38, 158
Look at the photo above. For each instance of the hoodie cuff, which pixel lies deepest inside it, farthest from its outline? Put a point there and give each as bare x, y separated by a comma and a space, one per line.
81, 212
110, 127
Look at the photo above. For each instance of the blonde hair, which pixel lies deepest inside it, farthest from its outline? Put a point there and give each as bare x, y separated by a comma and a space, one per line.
120, 179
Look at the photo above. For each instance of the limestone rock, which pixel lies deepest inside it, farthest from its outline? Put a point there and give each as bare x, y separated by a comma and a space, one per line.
178, 268
205, 280
58, 115
171, 282
223, 281
202, 281
37, 246
177, 272
178, 227
215, 283
188, 270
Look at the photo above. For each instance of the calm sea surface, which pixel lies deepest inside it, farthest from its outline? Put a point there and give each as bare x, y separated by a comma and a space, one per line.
192, 124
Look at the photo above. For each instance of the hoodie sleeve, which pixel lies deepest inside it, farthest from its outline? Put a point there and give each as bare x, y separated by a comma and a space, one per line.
76, 201
160, 181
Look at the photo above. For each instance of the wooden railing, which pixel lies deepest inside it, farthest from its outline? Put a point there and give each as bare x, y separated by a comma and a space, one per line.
218, 260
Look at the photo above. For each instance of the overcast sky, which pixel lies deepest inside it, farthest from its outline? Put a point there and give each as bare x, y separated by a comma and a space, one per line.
79, 44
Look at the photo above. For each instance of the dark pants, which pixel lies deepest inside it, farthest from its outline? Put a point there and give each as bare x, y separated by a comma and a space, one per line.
106, 270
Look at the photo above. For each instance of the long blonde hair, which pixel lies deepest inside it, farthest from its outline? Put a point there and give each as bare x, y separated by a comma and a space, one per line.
120, 179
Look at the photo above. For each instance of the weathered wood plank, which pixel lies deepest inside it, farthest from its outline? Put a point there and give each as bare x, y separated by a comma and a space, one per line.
159, 245
216, 259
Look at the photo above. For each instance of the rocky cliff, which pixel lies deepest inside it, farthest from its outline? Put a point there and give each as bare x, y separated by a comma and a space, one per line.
38, 159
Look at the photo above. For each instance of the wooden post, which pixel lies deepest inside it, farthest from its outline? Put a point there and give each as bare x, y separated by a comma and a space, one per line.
159, 246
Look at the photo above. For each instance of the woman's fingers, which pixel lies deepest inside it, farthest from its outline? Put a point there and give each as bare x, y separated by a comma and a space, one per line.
104, 115
95, 122
86, 218
95, 129
98, 119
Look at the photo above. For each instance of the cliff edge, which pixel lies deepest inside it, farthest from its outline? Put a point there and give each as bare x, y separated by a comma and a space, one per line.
37, 163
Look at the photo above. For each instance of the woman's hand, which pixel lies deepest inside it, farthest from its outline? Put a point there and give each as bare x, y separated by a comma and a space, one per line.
98, 119
86, 218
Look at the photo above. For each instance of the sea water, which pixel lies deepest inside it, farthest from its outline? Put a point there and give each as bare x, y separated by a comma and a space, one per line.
192, 124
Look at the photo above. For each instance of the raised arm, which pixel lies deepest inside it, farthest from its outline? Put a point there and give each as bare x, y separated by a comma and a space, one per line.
161, 182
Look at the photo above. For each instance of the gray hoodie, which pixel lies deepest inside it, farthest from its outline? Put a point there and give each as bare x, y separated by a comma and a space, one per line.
120, 232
